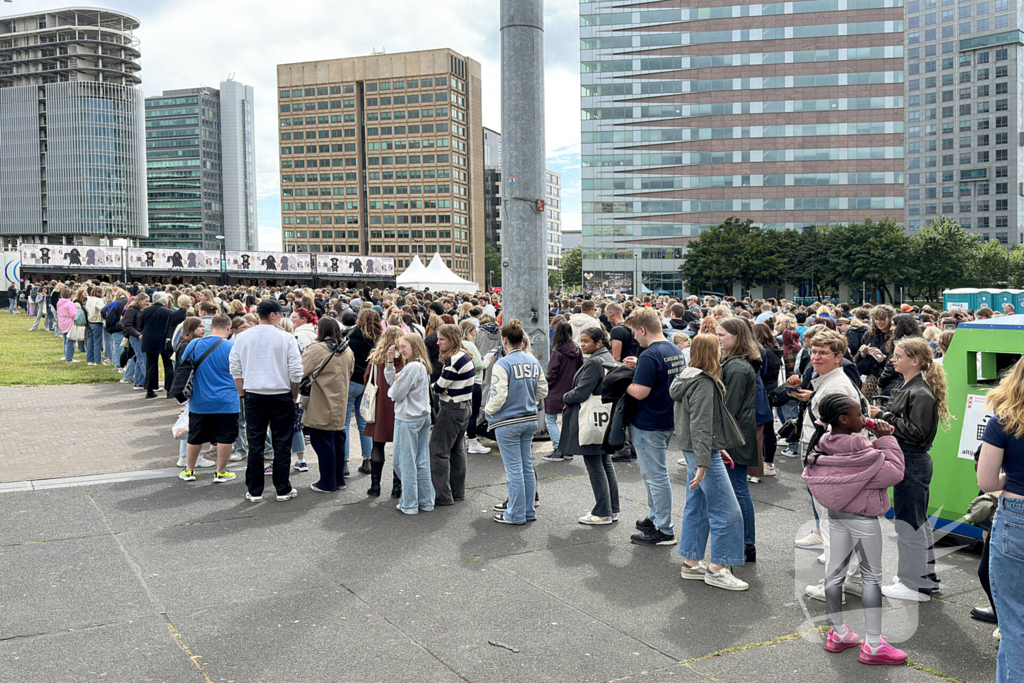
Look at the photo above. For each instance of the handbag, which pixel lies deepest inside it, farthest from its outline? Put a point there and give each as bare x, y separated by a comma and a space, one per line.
368, 408
594, 417
81, 318
77, 333
306, 385
185, 371
779, 396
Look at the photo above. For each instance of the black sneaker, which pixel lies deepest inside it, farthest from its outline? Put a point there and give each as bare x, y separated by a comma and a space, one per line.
151, 394
621, 457
750, 553
653, 537
645, 524
501, 507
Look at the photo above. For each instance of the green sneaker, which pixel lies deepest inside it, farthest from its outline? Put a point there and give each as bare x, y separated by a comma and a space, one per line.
220, 478
187, 475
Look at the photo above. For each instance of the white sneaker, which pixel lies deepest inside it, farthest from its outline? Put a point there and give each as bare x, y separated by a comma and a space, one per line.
817, 591
124, 381
790, 454
235, 456
811, 541
477, 448
725, 579
181, 462
203, 462
696, 572
897, 591
253, 499
770, 471
681, 461
594, 520
821, 559
291, 494
996, 634
753, 480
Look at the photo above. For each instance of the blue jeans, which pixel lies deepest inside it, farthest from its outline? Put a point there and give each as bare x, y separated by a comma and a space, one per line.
241, 443
412, 464
69, 348
94, 342
13, 306
108, 344
551, 420
651, 458
1006, 572
738, 475
355, 395
136, 368
515, 441
330, 453
115, 346
49, 318
711, 509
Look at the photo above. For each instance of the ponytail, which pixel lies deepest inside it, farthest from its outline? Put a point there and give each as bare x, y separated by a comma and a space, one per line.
831, 408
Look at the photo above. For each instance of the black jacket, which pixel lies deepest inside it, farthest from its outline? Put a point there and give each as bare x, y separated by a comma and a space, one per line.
889, 380
867, 365
586, 382
854, 337
131, 322
154, 326
771, 363
361, 350
914, 415
738, 376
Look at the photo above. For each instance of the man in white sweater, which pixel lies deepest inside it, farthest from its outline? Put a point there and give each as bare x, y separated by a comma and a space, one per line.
267, 368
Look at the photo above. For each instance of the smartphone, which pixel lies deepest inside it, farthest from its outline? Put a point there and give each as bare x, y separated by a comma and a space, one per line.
949, 326
794, 393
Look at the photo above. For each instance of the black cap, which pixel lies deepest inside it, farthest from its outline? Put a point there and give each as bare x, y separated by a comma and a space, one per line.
267, 307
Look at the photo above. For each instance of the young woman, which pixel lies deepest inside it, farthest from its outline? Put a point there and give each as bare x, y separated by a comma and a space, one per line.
703, 428
903, 326
328, 397
454, 393
305, 327
469, 330
94, 339
361, 340
382, 430
741, 359
791, 348
873, 349
771, 364
409, 389
849, 476
585, 383
1001, 468
915, 411
66, 312
517, 385
565, 361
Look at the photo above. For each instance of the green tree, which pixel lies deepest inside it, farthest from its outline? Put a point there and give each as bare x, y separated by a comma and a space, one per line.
943, 253
570, 270
877, 253
492, 266
989, 266
719, 257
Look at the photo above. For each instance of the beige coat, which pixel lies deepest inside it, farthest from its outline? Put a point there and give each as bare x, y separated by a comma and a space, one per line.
328, 398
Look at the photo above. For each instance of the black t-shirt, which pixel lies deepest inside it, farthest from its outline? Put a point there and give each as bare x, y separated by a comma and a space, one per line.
623, 334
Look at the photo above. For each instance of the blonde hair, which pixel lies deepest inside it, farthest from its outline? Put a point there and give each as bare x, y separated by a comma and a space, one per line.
391, 335
681, 337
784, 322
467, 327
454, 337
833, 341
287, 325
419, 350
646, 318
1007, 401
933, 373
721, 310
704, 353
931, 334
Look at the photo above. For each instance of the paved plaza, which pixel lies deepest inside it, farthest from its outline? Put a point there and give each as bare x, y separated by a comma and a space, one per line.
157, 580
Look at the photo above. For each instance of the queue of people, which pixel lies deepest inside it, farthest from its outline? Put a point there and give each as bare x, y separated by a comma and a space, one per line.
860, 394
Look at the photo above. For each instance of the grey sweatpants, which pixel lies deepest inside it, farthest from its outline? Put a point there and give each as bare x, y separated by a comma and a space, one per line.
862, 535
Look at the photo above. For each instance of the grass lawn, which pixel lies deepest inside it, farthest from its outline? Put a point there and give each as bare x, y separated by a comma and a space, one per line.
35, 358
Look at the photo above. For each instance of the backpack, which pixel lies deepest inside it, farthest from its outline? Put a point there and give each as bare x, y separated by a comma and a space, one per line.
184, 373
111, 318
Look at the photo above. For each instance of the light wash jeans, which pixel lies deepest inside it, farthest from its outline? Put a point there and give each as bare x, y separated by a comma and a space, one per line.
651, 458
355, 396
69, 348
551, 420
711, 510
412, 464
13, 306
515, 442
108, 347
1006, 571
136, 368
49, 318
738, 475
115, 346
94, 342
242, 442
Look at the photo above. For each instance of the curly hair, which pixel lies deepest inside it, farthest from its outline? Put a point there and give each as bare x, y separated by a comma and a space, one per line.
830, 409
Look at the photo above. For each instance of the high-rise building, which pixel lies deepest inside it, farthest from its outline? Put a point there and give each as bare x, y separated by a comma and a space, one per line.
964, 129
789, 114
72, 160
492, 201
201, 168
383, 155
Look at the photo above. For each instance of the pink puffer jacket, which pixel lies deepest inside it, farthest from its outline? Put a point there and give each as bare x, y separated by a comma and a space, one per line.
66, 312
852, 475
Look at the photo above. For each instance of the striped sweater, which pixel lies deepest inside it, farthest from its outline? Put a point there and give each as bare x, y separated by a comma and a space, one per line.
457, 378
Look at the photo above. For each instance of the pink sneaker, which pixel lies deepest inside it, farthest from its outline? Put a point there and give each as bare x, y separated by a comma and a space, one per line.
883, 654
837, 643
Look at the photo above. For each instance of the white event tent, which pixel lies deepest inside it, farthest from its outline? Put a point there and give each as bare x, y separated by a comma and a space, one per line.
436, 276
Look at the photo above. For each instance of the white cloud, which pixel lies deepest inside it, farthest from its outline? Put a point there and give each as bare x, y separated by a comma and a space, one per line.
186, 43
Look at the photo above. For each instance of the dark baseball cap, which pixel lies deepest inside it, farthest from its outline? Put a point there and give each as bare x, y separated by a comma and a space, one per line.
267, 307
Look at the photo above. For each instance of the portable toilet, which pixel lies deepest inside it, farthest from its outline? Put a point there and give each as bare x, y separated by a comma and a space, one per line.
1018, 301
1006, 296
958, 298
983, 297
980, 353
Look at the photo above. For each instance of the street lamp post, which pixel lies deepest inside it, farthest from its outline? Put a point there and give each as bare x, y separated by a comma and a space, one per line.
223, 259
636, 274
490, 279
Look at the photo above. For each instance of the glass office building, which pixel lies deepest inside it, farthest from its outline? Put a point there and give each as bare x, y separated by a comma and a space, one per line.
789, 114
963, 126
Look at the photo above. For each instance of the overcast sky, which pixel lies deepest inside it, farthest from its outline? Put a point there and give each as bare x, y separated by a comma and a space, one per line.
186, 43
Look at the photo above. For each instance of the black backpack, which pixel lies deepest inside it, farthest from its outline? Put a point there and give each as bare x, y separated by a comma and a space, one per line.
112, 317
184, 373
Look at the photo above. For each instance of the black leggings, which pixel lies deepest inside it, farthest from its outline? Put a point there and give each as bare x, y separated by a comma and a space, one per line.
377, 452
771, 442
477, 397
983, 571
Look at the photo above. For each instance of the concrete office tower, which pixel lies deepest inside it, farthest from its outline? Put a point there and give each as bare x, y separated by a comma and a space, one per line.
964, 131
201, 168
790, 114
72, 161
383, 155
492, 201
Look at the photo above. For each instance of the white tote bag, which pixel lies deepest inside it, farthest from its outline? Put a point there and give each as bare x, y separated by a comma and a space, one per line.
593, 420
368, 408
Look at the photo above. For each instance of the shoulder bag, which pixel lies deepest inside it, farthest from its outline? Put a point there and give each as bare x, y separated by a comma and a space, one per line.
184, 373
593, 419
368, 407
306, 385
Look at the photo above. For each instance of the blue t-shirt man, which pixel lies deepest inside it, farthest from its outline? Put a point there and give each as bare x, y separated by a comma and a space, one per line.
656, 368
213, 388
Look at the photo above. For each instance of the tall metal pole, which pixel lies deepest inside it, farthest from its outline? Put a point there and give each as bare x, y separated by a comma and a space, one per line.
524, 280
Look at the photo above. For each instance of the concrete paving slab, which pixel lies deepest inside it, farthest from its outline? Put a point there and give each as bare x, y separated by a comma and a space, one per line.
136, 651
321, 635
458, 611
33, 517
69, 584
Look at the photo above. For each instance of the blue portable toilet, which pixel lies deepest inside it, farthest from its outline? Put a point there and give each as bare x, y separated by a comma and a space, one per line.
983, 297
958, 298
1018, 301
1006, 296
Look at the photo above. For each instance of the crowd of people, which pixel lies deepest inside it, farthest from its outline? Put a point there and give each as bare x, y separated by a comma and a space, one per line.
860, 394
